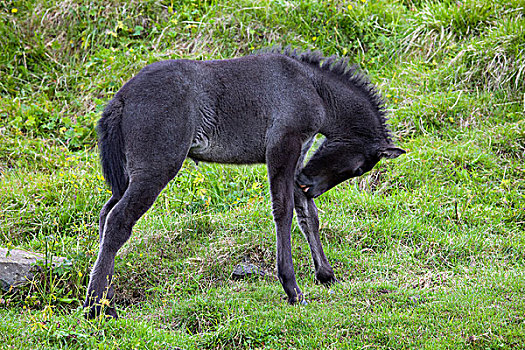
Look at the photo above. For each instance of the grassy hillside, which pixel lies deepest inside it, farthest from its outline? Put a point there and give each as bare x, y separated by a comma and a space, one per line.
429, 248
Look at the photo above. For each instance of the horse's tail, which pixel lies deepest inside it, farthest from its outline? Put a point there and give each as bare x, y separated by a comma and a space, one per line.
111, 147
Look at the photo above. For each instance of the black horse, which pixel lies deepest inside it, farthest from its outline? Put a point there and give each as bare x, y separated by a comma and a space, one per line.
262, 108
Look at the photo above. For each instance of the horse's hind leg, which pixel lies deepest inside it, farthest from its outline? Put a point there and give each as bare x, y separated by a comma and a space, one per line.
151, 163
142, 191
139, 196
104, 213
309, 223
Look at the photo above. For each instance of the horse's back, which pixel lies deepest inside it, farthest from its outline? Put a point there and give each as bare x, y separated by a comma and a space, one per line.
228, 106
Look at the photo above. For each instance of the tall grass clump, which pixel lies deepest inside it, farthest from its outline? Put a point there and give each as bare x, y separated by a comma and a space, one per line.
480, 44
493, 62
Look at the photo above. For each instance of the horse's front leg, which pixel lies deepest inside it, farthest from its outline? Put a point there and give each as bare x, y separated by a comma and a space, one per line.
281, 159
309, 224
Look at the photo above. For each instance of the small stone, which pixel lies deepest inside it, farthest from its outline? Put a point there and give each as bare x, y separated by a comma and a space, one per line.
246, 270
19, 266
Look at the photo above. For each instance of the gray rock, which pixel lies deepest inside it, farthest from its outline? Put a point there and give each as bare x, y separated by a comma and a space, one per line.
19, 266
247, 270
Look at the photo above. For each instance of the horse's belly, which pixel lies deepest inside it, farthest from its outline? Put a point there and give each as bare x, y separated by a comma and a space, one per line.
236, 150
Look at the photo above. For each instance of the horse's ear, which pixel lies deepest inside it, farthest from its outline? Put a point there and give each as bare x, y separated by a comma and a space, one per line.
391, 152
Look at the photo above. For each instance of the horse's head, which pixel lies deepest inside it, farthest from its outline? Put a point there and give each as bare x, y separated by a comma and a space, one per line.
337, 161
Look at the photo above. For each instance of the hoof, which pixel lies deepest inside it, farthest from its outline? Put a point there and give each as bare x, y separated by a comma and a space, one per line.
95, 311
297, 300
326, 278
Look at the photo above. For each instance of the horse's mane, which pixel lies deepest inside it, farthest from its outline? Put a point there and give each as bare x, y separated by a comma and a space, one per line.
341, 67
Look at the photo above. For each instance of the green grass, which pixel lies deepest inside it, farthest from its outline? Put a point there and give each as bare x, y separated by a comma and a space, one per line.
429, 248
